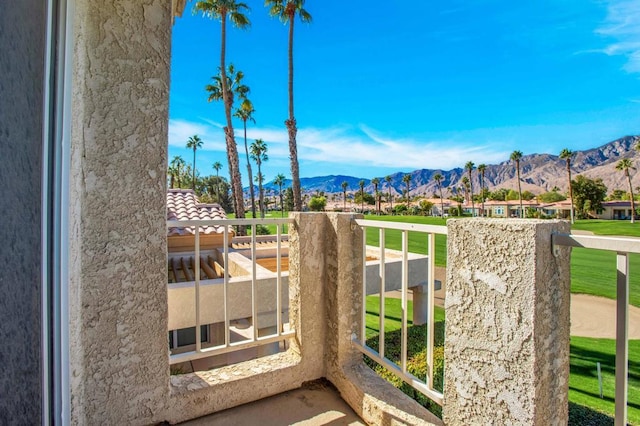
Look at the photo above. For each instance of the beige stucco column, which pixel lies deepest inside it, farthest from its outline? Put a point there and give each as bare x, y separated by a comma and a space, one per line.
507, 336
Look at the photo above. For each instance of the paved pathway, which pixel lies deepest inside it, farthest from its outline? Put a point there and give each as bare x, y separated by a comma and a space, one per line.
593, 316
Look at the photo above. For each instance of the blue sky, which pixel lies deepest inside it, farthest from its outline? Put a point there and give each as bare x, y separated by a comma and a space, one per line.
429, 85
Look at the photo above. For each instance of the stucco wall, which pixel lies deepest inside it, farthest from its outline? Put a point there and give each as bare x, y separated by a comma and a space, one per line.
22, 36
117, 252
507, 336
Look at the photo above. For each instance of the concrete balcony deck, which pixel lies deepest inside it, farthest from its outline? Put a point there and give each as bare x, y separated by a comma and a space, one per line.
315, 403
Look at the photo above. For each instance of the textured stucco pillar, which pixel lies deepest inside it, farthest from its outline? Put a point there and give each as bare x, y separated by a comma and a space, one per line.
117, 242
22, 46
507, 331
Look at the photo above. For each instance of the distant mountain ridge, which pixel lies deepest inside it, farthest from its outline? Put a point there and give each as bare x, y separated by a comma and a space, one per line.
539, 173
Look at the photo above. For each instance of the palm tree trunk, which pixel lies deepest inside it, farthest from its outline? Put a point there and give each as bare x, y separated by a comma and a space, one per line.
570, 189
633, 205
218, 187
482, 189
473, 207
232, 151
260, 195
519, 190
194, 170
441, 202
251, 188
292, 130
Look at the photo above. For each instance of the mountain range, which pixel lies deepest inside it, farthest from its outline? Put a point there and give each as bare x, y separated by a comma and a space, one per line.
538, 173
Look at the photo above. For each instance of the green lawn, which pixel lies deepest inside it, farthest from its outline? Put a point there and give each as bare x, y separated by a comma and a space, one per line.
609, 227
586, 407
583, 381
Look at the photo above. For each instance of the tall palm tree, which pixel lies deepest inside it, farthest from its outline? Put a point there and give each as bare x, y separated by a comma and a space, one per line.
375, 182
171, 171
245, 112
344, 186
438, 178
259, 155
388, 180
469, 168
194, 143
361, 184
466, 186
515, 157
234, 10
566, 155
217, 166
178, 163
481, 169
407, 181
625, 164
287, 10
279, 180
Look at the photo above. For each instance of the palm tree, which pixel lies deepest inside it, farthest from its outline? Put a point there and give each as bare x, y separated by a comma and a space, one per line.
259, 155
469, 168
171, 171
178, 163
407, 181
625, 164
279, 180
344, 186
515, 157
481, 169
466, 186
194, 142
361, 184
220, 10
287, 10
566, 155
217, 166
376, 182
438, 178
388, 180
244, 113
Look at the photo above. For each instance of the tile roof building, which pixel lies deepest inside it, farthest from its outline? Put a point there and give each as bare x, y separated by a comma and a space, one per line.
183, 204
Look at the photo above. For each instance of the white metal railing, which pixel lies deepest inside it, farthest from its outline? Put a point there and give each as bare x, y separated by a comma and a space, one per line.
255, 340
423, 386
623, 247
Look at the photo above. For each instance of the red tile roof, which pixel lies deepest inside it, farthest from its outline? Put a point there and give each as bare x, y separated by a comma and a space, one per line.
183, 204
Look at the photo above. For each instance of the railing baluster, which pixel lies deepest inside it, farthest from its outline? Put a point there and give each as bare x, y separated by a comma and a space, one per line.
225, 285
254, 289
381, 310
622, 342
196, 266
431, 314
405, 291
278, 280
363, 319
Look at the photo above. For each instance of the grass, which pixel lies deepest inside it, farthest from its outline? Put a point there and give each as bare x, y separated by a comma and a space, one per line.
585, 408
583, 381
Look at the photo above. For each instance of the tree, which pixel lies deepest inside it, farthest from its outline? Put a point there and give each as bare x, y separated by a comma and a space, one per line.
481, 169
551, 197
361, 184
217, 166
287, 10
407, 181
439, 178
566, 155
215, 189
375, 182
177, 163
425, 207
589, 194
515, 157
388, 180
259, 155
245, 112
317, 203
344, 186
288, 199
469, 168
279, 180
220, 10
624, 165
465, 186
194, 143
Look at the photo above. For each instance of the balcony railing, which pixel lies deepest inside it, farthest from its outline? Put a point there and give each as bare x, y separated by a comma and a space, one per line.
254, 339
423, 385
623, 247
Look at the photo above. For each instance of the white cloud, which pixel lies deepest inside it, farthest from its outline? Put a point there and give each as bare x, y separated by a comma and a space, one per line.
622, 25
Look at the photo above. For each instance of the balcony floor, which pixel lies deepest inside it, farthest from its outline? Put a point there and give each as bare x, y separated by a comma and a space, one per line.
316, 403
